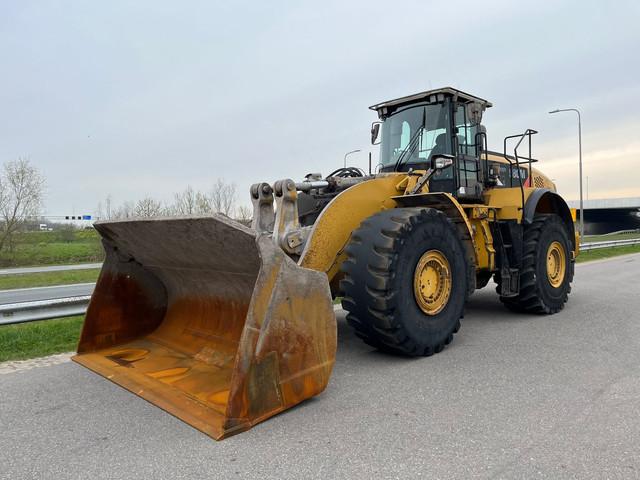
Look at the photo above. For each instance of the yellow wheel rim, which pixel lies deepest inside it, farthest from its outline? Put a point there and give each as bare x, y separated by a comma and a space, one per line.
556, 264
432, 282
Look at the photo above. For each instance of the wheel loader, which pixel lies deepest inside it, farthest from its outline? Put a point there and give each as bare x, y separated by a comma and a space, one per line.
225, 325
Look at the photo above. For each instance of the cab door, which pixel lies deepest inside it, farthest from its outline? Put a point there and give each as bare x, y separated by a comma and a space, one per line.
468, 171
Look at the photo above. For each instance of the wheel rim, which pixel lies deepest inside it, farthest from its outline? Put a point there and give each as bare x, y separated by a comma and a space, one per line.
432, 282
556, 264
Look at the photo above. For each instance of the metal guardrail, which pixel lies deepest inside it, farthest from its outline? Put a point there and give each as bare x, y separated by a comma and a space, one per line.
65, 307
622, 232
585, 247
43, 309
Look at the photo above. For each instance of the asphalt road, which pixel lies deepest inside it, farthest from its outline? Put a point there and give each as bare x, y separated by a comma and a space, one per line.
45, 293
50, 268
514, 396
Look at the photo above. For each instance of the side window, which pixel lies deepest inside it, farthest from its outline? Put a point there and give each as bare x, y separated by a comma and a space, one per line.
405, 135
499, 172
465, 132
507, 176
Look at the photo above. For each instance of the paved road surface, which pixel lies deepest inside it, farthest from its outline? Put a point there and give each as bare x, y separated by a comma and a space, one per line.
45, 293
513, 397
51, 268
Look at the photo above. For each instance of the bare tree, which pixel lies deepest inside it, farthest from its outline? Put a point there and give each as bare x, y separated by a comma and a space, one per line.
21, 190
104, 211
108, 207
190, 201
244, 214
148, 207
185, 202
223, 197
124, 211
203, 203
99, 212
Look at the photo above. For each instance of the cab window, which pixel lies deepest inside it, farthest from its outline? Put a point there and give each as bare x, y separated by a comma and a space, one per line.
507, 176
465, 132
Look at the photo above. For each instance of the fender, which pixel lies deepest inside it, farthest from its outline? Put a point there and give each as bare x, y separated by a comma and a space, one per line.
448, 204
543, 200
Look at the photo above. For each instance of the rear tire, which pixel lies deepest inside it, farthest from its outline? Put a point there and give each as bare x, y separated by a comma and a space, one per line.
547, 268
391, 259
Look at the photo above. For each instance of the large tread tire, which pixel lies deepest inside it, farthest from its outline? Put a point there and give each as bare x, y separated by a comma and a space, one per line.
537, 295
379, 277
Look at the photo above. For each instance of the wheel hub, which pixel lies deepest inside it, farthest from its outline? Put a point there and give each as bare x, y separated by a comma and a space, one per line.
556, 264
432, 282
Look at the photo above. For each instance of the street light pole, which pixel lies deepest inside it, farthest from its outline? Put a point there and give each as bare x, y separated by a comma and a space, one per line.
587, 188
348, 153
580, 161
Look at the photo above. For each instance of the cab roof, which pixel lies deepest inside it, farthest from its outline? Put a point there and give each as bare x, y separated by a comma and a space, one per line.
437, 95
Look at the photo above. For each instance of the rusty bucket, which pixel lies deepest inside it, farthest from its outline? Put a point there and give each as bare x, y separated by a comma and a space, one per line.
208, 320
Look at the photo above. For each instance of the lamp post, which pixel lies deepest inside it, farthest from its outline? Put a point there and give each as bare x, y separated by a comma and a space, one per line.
557, 110
587, 188
348, 153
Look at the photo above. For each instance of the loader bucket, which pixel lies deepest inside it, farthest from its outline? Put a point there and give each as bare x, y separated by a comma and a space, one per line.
209, 321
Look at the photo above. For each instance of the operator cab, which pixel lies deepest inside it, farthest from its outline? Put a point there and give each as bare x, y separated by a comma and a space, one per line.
443, 123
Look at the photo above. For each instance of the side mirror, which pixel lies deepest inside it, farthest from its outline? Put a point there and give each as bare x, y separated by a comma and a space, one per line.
441, 161
375, 131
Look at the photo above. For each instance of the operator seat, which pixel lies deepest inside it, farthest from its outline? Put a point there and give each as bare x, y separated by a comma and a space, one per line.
441, 145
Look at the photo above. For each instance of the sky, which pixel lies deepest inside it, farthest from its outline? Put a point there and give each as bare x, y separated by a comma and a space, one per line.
134, 99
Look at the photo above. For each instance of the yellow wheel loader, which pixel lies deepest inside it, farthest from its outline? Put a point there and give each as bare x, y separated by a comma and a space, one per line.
224, 326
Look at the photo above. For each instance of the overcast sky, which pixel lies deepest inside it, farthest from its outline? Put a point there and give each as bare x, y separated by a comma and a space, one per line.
144, 98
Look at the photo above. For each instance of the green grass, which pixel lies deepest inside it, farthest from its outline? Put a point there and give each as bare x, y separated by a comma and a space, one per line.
607, 253
605, 238
53, 248
38, 339
44, 279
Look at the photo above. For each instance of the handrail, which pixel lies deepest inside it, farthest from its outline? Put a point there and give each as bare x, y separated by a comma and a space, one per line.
527, 133
485, 151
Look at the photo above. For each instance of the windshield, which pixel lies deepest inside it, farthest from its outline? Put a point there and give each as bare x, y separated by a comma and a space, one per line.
414, 134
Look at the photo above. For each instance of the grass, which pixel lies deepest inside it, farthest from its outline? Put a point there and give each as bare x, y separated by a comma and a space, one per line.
606, 238
53, 248
607, 253
44, 279
39, 339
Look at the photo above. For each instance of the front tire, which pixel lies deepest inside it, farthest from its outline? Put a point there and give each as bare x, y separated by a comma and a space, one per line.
547, 268
405, 281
